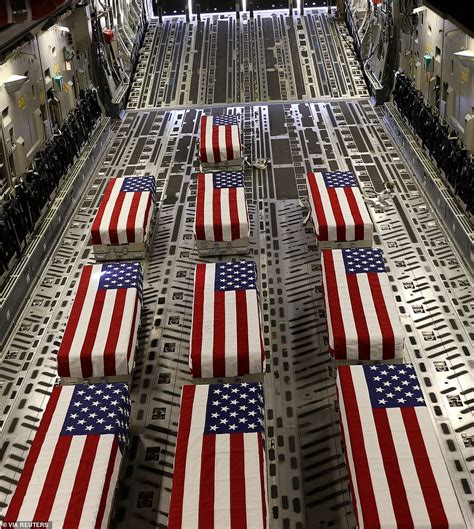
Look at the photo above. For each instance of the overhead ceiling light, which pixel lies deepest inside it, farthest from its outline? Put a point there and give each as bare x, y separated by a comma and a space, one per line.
466, 57
190, 8
419, 10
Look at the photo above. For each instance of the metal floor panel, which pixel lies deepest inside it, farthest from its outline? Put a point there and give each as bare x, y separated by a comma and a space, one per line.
271, 57
307, 478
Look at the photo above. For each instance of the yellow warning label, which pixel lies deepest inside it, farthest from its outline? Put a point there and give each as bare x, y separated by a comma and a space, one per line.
57, 68
41, 97
21, 103
464, 75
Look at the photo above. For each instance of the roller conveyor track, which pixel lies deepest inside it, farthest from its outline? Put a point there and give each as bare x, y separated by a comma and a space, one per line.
267, 58
308, 484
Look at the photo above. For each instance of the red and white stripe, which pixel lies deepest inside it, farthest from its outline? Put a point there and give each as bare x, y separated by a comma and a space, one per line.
338, 214
399, 479
218, 480
226, 335
123, 217
361, 314
219, 143
101, 331
221, 214
68, 480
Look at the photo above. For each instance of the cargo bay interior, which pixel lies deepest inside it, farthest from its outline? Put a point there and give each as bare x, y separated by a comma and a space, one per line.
95, 90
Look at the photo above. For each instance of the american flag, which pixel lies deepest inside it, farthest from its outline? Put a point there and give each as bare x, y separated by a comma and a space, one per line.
74, 460
398, 474
221, 208
226, 336
219, 139
125, 212
101, 331
219, 468
361, 313
337, 207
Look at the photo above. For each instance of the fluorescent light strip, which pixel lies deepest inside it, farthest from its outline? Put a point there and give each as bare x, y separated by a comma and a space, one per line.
190, 8
244, 5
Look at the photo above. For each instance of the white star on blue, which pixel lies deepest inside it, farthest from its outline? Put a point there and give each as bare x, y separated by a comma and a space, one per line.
134, 184
234, 408
97, 409
237, 275
228, 179
121, 275
339, 179
363, 260
225, 120
393, 386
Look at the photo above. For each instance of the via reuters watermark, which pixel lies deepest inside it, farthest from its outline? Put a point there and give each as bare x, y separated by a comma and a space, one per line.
27, 525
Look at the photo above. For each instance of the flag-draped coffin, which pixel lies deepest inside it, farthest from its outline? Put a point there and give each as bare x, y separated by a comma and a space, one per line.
73, 463
125, 212
221, 207
101, 331
219, 141
397, 472
338, 210
219, 470
361, 314
226, 335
